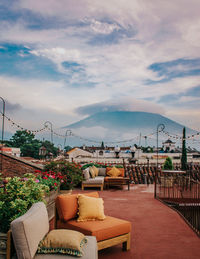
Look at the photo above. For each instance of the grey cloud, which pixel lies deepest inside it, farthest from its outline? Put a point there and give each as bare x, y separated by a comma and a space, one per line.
12, 107
122, 104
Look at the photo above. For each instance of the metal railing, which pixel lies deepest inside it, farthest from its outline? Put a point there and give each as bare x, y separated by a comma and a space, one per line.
181, 192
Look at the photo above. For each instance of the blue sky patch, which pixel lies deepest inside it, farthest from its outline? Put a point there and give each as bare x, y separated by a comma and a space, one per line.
16, 60
174, 69
73, 66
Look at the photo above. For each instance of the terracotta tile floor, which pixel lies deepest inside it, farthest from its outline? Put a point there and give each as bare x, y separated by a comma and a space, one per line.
158, 232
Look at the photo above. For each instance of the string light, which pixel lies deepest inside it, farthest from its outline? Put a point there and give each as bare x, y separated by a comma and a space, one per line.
170, 135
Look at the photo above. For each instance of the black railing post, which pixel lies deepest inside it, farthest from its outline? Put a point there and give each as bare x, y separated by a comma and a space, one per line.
2, 133
160, 127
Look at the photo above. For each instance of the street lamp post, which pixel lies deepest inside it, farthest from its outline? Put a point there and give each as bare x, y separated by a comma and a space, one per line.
59, 148
160, 128
42, 152
67, 133
2, 133
45, 124
117, 150
133, 149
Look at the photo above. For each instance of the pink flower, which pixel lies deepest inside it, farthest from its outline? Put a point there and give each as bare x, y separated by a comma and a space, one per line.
37, 180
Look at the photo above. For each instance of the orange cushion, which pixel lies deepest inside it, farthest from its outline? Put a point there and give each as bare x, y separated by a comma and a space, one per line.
108, 228
120, 169
67, 205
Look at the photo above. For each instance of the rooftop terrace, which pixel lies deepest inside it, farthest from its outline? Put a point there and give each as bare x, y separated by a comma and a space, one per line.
158, 232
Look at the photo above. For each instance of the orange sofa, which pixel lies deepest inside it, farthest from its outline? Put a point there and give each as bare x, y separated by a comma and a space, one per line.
110, 231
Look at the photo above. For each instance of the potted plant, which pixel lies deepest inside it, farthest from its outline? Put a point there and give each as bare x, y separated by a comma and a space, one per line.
168, 165
167, 180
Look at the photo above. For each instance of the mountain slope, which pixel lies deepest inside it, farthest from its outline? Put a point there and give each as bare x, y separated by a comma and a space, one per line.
123, 121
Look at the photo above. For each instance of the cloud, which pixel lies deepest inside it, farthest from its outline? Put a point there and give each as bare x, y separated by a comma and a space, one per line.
120, 104
12, 107
85, 55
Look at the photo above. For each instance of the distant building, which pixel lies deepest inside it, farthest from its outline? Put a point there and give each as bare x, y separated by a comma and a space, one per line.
78, 153
11, 151
112, 152
169, 146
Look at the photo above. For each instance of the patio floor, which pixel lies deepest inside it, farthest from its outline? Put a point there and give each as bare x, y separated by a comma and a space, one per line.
158, 232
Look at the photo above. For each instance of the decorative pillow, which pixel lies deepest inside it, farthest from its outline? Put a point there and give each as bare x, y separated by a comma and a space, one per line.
92, 172
90, 208
86, 174
114, 172
62, 241
96, 170
102, 172
120, 169
67, 205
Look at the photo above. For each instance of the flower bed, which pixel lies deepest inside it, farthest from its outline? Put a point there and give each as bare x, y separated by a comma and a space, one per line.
70, 173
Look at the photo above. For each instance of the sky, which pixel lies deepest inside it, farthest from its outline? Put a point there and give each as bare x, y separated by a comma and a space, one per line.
61, 61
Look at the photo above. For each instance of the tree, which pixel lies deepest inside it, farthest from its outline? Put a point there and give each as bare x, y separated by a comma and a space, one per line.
168, 165
22, 137
102, 145
31, 149
184, 152
67, 148
27, 143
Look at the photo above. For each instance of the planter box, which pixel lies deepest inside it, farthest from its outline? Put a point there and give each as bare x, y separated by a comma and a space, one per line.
50, 199
3, 245
65, 192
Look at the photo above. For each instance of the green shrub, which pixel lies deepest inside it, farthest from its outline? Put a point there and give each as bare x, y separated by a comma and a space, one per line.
168, 165
17, 197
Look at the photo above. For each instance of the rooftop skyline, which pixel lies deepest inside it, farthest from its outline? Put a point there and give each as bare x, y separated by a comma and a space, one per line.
63, 60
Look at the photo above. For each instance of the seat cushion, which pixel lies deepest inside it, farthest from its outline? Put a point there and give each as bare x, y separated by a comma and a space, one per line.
96, 180
67, 205
102, 172
29, 229
108, 228
89, 252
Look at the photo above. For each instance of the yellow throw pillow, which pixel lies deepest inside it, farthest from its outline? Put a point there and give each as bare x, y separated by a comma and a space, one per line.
90, 208
62, 241
92, 172
114, 172
96, 170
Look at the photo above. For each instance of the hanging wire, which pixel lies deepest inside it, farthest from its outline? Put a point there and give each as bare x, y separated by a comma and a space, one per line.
72, 134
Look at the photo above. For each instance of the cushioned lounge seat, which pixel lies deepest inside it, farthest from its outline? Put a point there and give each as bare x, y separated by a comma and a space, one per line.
109, 232
101, 229
29, 229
